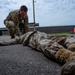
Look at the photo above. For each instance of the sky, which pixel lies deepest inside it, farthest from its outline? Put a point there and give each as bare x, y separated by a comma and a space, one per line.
47, 12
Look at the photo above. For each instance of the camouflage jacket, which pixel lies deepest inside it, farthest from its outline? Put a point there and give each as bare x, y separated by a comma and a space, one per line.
16, 18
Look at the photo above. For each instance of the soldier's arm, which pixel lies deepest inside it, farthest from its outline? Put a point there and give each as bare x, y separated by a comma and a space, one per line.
26, 20
8, 18
26, 27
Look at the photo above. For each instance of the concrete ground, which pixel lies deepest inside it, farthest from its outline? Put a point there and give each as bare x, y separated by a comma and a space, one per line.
23, 60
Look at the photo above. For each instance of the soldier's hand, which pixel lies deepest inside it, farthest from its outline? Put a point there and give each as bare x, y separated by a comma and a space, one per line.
9, 24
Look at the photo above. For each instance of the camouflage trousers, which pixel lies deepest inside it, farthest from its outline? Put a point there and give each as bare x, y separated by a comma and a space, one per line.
51, 46
15, 30
70, 42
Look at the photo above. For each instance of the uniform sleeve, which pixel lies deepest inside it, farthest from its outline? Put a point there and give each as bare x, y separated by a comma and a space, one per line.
26, 20
8, 18
26, 27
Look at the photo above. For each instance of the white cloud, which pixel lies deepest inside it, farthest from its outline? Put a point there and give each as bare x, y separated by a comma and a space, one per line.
47, 12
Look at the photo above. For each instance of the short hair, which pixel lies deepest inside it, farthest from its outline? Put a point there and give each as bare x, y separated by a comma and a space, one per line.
23, 7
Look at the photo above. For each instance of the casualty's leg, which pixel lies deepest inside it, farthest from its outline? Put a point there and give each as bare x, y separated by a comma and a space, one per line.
59, 53
70, 42
71, 46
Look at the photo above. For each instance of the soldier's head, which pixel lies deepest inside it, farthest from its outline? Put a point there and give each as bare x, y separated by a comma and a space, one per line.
23, 10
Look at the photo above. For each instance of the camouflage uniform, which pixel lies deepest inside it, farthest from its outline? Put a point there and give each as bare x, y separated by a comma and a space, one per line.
15, 17
68, 68
51, 46
70, 42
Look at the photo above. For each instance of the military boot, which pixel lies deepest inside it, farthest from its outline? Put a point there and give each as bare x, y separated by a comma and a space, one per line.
68, 68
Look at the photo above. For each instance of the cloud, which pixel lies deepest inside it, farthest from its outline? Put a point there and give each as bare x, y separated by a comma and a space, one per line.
47, 12
57, 12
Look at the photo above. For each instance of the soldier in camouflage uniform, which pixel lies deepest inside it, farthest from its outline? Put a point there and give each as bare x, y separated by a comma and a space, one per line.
17, 22
51, 46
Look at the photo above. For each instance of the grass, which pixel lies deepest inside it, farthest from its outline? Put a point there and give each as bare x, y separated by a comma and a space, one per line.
61, 33
5, 35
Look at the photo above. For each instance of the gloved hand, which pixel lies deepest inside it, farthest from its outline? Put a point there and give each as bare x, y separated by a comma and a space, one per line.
9, 24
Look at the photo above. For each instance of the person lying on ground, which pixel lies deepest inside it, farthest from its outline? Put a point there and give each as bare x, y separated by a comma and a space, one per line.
51, 46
